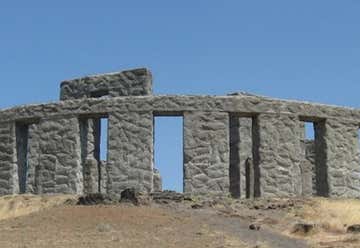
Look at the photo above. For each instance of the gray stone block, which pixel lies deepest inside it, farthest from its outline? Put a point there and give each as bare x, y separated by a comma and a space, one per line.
9, 180
130, 151
342, 158
54, 147
157, 181
278, 160
206, 152
137, 82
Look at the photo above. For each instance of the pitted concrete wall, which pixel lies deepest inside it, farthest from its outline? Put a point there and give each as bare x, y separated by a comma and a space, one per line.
308, 171
342, 147
59, 161
9, 183
33, 159
130, 151
206, 152
278, 155
57, 164
90, 154
136, 82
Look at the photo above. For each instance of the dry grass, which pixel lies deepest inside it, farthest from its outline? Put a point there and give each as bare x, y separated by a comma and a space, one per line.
20, 205
332, 215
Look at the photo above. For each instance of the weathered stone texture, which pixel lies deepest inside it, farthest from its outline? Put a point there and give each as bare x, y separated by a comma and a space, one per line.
90, 154
206, 152
307, 166
157, 181
33, 159
278, 161
136, 82
9, 183
58, 163
342, 158
240, 152
178, 104
130, 151
45, 149
103, 177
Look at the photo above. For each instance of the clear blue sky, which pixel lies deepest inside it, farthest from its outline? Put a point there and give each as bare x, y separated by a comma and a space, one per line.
306, 50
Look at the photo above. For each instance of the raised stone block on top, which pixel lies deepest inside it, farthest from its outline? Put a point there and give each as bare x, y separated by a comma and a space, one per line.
136, 82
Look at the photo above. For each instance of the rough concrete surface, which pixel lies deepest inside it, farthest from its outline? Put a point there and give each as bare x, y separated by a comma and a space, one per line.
54, 147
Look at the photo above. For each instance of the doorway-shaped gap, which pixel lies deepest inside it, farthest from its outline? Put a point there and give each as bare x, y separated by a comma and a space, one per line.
22, 140
242, 144
94, 136
309, 131
313, 163
308, 155
103, 138
168, 153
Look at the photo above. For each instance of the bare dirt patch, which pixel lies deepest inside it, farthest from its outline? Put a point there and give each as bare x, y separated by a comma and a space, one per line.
110, 226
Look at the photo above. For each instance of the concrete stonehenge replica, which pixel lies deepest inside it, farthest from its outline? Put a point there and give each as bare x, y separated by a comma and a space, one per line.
241, 145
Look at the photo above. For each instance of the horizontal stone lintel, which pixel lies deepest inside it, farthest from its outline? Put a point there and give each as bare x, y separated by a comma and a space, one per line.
176, 105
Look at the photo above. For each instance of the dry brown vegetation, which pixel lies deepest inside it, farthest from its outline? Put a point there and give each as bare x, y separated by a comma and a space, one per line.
20, 205
331, 218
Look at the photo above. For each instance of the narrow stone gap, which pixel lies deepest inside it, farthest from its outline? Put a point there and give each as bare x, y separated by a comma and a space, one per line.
168, 153
22, 138
308, 155
103, 144
313, 158
93, 137
241, 170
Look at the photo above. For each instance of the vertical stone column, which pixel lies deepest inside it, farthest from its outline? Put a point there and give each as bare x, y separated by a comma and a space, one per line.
9, 180
307, 164
58, 164
240, 152
130, 151
206, 152
33, 158
90, 154
342, 158
278, 156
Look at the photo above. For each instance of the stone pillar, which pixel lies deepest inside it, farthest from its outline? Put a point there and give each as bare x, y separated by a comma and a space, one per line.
250, 178
9, 181
240, 152
157, 181
90, 153
130, 151
307, 164
33, 158
308, 168
206, 152
342, 158
57, 165
277, 160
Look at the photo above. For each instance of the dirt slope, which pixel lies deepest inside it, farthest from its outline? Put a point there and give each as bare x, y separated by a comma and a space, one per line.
55, 221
